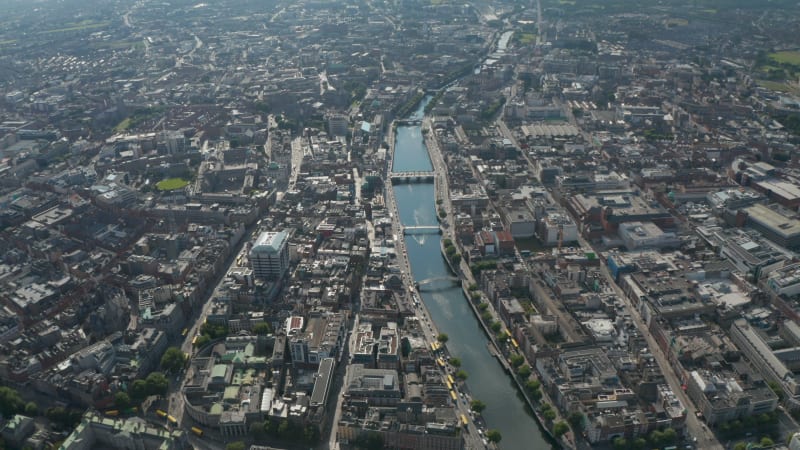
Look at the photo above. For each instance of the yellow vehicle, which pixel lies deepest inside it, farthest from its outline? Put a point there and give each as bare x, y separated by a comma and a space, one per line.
514, 343
194, 340
453, 396
185, 332
197, 431
449, 385
161, 413
440, 361
450, 379
464, 420
172, 420
112, 413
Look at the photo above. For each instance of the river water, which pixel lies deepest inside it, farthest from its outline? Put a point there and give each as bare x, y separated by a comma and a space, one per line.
505, 411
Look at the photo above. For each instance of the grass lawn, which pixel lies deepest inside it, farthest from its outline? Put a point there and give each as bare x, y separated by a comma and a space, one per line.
777, 86
527, 38
792, 57
86, 25
124, 125
171, 184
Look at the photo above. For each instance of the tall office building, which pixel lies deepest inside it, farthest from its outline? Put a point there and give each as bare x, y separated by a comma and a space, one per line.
338, 124
270, 255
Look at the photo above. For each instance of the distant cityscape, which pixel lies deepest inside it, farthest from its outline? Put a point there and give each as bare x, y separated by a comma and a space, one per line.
405, 224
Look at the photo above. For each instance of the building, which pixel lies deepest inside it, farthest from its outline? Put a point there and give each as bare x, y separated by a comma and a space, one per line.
378, 387
558, 227
17, 429
338, 124
777, 226
96, 431
270, 255
785, 281
750, 252
766, 361
722, 397
322, 338
646, 235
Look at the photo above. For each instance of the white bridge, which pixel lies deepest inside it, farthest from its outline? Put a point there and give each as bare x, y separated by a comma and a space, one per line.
422, 229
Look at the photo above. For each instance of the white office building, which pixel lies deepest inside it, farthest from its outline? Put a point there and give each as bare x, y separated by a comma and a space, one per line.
270, 255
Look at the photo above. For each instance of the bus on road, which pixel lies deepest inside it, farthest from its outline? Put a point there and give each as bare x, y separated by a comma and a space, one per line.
161, 413
172, 420
197, 431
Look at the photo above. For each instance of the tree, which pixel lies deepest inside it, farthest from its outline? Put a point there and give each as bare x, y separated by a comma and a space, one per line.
560, 428
122, 400
311, 434
639, 443
496, 326
262, 329
455, 362
214, 331
238, 445
138, 390
443, 338
172, 360
516, 360
494, 436
533, 385
767, 442
776, 388
31, 409
524, 371
482, 306
536, 395
157, 384
369, 441
461, 375
620, 443
670, 436
740, 446
10, 402
549, 415
477, 406
202, 340
257, 430
576, 420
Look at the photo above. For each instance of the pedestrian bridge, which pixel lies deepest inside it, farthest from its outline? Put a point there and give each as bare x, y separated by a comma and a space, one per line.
429, 284
412, 177
422, 229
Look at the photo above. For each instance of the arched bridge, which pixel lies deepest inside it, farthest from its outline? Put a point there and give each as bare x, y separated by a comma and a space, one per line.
412, 177
427, 283
408, 122
422, 229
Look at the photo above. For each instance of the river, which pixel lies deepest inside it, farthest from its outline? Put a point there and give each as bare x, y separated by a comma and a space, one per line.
505, 411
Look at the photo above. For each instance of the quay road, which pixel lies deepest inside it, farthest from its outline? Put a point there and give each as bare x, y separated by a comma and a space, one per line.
465, 273
472, 438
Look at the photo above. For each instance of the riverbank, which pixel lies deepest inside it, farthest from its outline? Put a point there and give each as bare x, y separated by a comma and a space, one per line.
467, 280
